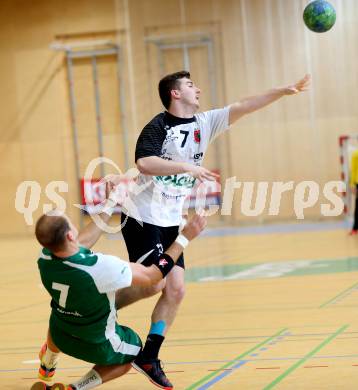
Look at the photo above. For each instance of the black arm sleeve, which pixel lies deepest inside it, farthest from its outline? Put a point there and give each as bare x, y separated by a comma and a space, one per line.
151, 139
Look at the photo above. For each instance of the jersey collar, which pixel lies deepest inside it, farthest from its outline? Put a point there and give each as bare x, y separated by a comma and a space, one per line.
77, 256
173, 120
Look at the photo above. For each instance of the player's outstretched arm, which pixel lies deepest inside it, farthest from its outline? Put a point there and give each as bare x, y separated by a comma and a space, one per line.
253, 103
144, 276
156, 166
90, 234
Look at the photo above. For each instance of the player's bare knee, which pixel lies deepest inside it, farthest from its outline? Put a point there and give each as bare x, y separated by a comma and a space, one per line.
180, 294
159, 286
175, 294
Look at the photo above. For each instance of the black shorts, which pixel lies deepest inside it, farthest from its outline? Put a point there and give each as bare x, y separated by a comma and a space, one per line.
145, 243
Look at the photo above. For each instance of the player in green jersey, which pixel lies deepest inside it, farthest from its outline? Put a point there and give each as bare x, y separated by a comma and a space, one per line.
84, 286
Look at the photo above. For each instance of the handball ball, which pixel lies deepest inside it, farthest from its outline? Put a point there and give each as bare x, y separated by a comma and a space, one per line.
319, 16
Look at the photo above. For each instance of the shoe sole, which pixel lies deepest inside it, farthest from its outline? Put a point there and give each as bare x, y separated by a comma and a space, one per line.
58, 386
154, 383
38, 386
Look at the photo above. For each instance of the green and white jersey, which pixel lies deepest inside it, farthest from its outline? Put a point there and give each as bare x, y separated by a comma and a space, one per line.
83, 289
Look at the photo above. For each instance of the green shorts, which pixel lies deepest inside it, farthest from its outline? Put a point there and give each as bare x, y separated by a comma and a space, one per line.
121, 349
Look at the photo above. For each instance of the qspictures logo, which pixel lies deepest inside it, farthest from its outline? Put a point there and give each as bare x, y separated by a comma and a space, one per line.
252, 198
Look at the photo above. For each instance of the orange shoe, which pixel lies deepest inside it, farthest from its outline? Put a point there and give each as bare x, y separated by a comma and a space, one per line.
353, 232
45, 374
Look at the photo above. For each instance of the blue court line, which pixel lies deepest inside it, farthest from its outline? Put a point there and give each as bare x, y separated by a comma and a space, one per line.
221, 376
300, 362
343, 294
197, 362
300, 357
170, 343
247, 337
236, 363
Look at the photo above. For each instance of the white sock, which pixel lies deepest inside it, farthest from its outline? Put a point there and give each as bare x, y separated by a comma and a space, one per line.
89, 381
50, 358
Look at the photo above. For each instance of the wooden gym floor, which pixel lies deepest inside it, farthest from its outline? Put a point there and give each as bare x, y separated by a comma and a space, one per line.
267, 310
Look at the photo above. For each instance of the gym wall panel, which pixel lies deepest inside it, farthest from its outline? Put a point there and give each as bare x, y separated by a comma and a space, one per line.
34, 110
37, 86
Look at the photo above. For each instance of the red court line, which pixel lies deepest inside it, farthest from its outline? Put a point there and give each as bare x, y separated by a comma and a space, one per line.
267, 368
173, 372
222, 369
314, 366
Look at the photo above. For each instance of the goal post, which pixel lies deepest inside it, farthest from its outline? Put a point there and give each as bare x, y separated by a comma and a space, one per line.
347, 145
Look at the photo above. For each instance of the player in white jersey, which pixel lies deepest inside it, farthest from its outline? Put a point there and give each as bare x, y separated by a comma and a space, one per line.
84, 286
169, 153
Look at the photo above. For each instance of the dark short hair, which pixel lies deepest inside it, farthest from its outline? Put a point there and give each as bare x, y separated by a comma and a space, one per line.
168, 83
51, 231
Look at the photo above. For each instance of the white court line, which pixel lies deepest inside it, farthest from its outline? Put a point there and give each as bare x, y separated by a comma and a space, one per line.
35, 361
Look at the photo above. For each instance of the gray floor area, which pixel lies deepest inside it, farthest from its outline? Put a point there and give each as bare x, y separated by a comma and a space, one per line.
292, 227
278, 228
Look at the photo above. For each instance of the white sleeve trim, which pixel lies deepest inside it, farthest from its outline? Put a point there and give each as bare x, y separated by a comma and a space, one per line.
110, 273
215, 121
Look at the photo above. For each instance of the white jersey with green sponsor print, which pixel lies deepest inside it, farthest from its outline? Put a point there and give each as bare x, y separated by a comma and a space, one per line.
159, 200
82, 288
